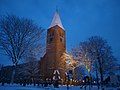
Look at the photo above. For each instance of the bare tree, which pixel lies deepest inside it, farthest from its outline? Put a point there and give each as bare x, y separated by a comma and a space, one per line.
102, 55
18, 36
96, 54
81, 54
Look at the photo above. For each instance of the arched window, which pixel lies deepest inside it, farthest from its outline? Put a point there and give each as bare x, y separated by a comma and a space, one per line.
50, 37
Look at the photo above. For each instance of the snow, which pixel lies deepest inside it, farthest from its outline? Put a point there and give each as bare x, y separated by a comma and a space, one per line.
31, 87
56, 21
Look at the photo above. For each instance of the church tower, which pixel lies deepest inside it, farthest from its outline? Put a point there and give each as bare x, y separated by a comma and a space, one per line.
53, 61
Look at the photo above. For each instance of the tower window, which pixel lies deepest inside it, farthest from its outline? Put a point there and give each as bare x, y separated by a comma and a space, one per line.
61, 34
50, 40
61, 39
51, 34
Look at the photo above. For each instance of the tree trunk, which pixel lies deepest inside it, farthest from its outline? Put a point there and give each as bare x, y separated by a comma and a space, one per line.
13, 74
97, 79
100, 69
101, 73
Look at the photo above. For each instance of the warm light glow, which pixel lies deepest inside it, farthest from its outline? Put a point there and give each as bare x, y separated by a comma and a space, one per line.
87, 64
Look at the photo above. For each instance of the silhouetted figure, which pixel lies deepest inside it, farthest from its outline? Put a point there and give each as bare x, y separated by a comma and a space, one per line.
86, 82
55, 84
45, 84
24, 82
67, 85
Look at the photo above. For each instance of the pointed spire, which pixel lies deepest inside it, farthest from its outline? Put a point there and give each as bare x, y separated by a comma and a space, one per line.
56, 20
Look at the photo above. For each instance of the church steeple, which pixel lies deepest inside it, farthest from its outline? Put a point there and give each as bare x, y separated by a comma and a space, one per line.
53, 60
56, 20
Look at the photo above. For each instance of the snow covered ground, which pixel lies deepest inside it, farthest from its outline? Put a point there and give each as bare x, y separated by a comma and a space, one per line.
18, 87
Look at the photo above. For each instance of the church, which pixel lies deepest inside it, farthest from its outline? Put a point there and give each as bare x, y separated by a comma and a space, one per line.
53, 64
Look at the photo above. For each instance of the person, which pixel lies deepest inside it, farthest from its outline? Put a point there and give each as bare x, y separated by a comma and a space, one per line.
85, 82
55, 84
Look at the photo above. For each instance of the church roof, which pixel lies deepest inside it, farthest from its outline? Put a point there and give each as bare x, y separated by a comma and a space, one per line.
56, 21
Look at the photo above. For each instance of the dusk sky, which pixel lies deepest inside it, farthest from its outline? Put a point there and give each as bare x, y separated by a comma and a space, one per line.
80, 18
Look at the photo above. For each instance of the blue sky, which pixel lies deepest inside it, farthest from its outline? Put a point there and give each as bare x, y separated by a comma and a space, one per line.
80, 18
